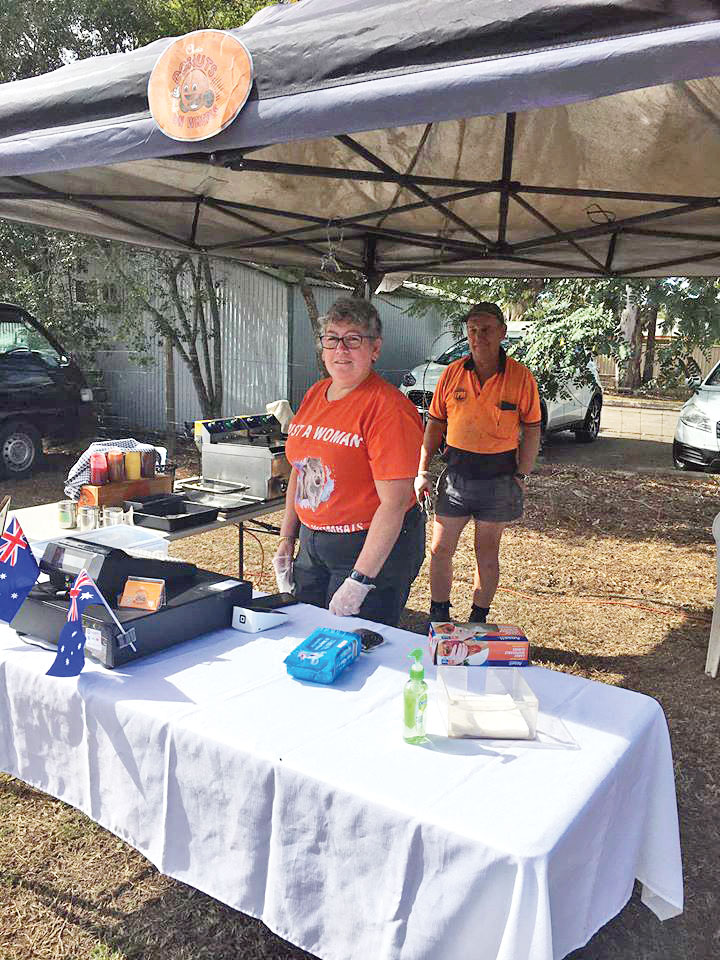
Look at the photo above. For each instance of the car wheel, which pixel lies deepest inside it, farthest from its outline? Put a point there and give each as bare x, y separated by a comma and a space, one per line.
683, 464
20, 448
591, 425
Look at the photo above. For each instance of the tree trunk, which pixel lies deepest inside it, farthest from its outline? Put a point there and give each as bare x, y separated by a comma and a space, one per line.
631, 327
216, 332
312, 308
170, 412
649, 368
363, 286
314, 315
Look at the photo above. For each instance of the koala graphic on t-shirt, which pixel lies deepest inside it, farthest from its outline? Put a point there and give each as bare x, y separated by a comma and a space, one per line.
314, 484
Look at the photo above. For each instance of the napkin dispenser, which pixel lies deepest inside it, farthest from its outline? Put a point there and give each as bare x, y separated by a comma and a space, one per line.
495, 703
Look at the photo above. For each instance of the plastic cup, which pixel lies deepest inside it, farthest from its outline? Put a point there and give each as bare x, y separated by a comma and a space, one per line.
112, 516
67, 514
87, 518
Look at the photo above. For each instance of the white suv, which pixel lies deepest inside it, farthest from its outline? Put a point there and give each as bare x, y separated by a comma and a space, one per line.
580, 412
697, 436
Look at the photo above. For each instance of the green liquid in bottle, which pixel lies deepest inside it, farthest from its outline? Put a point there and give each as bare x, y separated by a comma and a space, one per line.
415, 703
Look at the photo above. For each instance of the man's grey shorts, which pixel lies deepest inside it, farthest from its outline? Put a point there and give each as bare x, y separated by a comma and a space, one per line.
494, 498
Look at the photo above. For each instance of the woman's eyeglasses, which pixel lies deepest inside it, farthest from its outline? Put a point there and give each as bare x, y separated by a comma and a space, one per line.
351, 341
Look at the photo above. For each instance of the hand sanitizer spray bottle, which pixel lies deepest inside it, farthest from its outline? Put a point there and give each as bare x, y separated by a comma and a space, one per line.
415, 700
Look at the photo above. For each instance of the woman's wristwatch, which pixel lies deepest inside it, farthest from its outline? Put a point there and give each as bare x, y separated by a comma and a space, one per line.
521, 476
362, 578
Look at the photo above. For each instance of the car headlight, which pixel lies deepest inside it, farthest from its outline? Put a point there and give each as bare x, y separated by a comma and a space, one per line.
408, 380
692, 417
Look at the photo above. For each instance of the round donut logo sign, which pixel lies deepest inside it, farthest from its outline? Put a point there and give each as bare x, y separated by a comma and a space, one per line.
199, 84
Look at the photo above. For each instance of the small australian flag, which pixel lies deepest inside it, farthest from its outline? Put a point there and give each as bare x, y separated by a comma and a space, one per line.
70, 657
18, 570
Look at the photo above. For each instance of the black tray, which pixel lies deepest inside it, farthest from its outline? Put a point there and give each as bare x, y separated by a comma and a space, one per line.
170, 513
142, 503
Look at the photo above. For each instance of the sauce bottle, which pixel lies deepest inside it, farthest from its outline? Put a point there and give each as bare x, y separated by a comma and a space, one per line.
132, 464
147, 463
116, 465
98, 469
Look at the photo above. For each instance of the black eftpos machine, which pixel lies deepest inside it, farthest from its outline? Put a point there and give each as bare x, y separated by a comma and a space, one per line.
197, 601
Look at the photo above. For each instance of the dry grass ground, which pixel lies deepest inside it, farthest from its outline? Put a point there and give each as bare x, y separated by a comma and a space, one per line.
612, 575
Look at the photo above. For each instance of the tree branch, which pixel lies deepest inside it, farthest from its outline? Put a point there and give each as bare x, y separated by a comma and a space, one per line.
216, 331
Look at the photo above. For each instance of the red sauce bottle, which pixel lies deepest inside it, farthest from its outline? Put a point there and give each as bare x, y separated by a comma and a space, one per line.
98, 469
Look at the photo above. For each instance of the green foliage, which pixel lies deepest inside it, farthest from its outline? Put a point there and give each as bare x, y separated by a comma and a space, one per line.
39, 269
39, 36
454, 295
42, 35
183, 16
560, 343
571, 320
101, 951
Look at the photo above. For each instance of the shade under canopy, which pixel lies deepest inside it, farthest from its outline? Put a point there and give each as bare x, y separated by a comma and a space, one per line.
487, 138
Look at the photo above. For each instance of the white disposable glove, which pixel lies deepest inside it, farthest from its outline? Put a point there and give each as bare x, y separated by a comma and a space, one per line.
283, 565
348, 598
422, 486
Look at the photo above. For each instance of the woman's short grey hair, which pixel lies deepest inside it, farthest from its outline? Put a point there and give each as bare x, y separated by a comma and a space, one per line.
360, 313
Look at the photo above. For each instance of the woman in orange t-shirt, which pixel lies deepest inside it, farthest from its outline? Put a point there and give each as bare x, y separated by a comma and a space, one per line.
354, 446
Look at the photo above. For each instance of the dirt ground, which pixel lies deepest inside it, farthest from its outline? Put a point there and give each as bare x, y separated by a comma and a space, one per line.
612, 574
614, 453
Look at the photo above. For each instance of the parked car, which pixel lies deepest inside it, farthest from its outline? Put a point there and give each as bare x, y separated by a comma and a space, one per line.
580, 412
697, 435
43, 394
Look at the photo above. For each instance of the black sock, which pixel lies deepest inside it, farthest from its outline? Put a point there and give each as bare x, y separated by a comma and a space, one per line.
478, 614
439, 609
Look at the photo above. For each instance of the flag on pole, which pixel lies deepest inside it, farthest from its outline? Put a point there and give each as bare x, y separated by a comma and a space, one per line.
70, 657
18, 570
4, 504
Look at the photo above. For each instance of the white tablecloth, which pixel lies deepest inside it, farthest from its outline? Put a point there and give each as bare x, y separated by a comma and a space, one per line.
303, 806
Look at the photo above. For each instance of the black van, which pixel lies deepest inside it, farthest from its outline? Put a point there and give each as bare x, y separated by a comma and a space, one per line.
43, 394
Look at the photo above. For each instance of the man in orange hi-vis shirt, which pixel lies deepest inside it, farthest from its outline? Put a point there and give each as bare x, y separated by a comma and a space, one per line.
489, 407
354, 446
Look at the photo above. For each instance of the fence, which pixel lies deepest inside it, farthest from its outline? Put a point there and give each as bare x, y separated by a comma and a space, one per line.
606, 365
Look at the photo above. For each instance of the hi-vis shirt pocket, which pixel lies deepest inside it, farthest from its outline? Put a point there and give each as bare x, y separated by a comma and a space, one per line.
505, 421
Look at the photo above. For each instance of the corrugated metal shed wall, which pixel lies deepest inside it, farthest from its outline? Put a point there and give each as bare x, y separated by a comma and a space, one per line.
255, 356
268, 349
406, 339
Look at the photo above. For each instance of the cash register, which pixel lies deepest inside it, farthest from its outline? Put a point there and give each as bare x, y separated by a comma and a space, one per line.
196, 601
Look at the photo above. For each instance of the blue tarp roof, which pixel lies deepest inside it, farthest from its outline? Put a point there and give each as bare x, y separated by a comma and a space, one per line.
487, 98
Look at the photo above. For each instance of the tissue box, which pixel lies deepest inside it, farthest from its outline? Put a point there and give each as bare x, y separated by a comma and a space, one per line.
323, 655
495, 704
478, 645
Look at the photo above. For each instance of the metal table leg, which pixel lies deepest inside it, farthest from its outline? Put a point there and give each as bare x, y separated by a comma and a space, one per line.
241, 550
259, 527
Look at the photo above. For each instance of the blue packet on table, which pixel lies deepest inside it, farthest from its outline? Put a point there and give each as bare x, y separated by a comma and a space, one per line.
323, 655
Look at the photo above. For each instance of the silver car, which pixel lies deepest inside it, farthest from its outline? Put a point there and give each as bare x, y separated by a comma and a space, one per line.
580, 412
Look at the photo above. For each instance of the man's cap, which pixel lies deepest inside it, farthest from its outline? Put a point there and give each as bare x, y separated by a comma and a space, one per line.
485, 307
